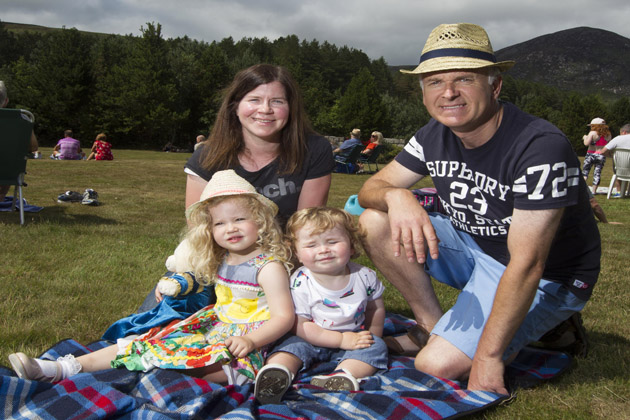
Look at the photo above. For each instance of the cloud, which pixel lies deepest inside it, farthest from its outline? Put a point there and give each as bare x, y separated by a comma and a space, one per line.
393, 29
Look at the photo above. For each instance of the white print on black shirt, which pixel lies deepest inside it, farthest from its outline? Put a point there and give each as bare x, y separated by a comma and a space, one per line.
472, 194
281, 189
455, 169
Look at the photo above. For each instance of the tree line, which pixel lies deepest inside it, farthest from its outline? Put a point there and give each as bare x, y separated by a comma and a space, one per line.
145, 91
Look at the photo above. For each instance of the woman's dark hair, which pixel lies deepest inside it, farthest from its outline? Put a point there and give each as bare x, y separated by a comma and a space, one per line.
226, 137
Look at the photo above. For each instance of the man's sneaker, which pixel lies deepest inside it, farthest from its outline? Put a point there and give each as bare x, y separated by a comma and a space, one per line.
569, 336
339, 380
90, 198
616, 195
272, 382
70, 197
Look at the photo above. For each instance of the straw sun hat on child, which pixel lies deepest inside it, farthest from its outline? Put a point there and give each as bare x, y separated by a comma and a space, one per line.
458, 46
229, 183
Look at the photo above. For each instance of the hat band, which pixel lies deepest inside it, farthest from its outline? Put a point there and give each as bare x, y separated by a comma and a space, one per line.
458, 52
231, 191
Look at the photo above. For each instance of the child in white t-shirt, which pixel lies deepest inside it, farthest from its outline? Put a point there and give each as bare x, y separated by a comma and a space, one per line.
339, 307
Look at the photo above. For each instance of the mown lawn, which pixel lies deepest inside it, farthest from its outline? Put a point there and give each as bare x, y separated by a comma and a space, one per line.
74, 269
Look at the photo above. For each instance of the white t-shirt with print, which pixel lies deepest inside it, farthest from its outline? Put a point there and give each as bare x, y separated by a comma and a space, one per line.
338, 310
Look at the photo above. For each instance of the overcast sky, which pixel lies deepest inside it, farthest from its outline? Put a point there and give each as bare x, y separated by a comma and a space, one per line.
393, 29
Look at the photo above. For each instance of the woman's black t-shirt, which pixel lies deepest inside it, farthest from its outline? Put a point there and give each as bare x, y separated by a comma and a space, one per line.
282, 189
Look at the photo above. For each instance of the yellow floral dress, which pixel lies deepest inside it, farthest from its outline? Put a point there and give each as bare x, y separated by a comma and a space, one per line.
198, 340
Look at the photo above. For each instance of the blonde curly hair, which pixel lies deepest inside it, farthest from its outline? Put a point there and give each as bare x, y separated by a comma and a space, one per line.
206, 255
323, 219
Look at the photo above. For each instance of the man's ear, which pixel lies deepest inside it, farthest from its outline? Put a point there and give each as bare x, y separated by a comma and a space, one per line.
496, 86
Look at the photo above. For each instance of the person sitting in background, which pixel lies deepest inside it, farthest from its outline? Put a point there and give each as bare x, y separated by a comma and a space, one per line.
375, 140
200, 140
622, 141
33, 147
68, 148
101, 149
346, 147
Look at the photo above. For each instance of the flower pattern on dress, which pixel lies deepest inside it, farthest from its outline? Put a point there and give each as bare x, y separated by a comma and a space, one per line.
199, 340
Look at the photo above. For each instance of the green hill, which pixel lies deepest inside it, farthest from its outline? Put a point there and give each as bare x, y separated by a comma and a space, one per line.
586, 60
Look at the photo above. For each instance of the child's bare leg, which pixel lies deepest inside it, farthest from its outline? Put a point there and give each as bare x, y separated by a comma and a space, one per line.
357, 368
212, 373
288, 360
98, 360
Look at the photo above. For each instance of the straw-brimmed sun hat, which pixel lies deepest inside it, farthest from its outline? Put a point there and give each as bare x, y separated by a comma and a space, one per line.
597, 121
458, 46
229, 183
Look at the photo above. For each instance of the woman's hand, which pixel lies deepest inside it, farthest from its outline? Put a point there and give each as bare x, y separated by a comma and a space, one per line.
239, 346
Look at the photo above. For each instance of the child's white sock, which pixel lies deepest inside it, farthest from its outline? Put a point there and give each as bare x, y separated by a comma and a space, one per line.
69, 366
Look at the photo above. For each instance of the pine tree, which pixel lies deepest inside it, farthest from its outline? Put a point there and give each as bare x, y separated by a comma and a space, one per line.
361, 105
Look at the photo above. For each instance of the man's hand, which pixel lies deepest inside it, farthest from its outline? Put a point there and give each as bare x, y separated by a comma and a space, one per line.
388, 191
487, 375
356, 340
239, 346
411, 226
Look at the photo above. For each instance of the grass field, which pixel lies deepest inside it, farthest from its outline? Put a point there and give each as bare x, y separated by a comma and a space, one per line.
74, 269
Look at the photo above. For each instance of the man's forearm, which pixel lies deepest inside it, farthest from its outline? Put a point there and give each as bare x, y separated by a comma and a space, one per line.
379, 195
512, 301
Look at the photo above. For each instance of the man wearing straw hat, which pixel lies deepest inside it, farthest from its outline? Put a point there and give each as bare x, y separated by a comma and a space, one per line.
519, 239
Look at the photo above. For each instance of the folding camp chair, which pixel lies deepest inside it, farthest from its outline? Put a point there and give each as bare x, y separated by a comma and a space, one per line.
348, 164
371, 158
621, 161
16, 126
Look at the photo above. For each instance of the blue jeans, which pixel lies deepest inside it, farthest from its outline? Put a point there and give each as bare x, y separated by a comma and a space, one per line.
375, 355
463, 265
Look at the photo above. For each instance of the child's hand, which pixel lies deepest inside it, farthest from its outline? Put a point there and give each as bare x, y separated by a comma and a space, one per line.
356, 340
239, 346
158, 295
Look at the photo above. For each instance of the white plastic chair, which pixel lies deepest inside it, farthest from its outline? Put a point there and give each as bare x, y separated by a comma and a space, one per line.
621, 161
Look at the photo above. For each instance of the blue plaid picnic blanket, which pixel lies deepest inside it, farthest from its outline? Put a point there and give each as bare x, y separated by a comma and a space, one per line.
400, 392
